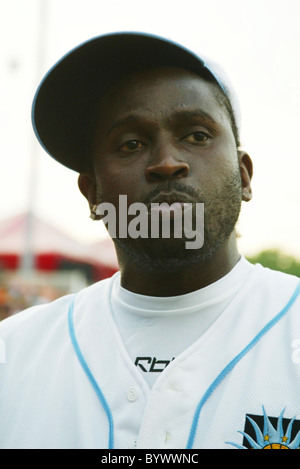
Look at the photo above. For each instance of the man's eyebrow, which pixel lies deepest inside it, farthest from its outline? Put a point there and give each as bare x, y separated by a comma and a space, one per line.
122, 122
177, 115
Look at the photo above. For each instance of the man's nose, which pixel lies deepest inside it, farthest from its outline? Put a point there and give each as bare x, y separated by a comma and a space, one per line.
166, 163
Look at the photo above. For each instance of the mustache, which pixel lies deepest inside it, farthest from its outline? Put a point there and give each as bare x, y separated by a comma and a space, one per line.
170, 187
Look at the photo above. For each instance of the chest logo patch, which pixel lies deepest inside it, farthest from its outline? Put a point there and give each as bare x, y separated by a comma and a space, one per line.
151, 364
263, 432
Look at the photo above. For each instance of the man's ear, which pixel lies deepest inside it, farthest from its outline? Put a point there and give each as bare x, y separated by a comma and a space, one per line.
246, 170
88, 187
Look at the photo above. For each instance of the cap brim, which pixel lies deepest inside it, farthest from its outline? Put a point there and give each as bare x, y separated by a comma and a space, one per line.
64, 102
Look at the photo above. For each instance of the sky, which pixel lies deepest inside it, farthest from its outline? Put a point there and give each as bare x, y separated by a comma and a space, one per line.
256, 42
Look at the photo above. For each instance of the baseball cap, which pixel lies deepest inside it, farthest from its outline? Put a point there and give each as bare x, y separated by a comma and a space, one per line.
64, 103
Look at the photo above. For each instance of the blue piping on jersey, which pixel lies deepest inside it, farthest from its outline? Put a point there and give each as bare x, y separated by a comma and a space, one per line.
232, 364
210, 389
90, 376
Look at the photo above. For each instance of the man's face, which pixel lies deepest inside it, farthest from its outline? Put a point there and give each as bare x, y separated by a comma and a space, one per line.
162, 135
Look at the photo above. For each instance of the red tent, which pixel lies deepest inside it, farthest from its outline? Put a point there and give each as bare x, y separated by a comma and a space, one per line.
54, 250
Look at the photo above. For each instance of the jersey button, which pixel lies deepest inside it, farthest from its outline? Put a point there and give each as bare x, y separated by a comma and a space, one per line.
175, 387
133, 443
132, 394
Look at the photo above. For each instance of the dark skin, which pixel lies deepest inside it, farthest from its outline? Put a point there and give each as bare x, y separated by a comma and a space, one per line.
162, 131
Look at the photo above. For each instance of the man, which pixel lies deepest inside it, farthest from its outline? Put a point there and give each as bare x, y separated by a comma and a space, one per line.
185, 347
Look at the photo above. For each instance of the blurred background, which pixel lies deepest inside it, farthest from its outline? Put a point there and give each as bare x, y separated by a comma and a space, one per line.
48, 244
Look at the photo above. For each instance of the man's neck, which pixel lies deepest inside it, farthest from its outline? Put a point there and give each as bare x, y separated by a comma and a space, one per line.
181, 280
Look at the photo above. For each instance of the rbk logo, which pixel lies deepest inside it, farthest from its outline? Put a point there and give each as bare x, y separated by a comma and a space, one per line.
151, 365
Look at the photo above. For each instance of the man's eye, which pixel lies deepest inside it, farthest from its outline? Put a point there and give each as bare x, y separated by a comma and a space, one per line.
197, 137
131, 145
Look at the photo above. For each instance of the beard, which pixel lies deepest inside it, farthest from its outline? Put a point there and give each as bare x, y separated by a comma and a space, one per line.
222, 207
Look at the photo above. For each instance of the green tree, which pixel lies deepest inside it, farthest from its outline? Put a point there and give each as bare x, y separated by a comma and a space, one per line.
277, 260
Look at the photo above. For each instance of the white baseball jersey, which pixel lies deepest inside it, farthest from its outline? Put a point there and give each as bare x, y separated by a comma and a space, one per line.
155, 330
67, 380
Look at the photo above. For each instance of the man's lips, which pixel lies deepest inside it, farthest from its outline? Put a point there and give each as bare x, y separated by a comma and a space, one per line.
170, 198
169, 202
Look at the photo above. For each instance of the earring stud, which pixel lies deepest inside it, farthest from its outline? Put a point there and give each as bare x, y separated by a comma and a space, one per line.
93, 214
